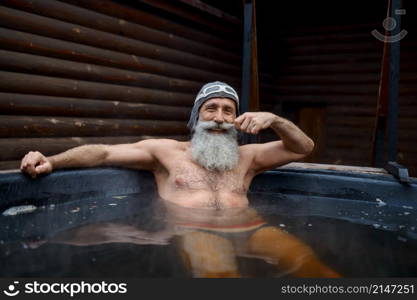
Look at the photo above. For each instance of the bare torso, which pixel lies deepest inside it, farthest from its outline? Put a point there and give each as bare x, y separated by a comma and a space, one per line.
183, 182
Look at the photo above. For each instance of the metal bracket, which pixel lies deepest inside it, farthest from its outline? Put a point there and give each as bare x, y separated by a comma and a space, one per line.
398, 171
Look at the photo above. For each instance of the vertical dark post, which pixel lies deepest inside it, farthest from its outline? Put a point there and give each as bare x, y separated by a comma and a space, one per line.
254, 83
249, 97
247, 50
387, 107
394, 85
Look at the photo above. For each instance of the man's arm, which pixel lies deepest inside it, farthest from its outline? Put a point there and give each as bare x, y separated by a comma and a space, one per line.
293, 146
137, 155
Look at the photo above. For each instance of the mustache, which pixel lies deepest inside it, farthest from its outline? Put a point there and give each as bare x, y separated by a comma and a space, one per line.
213, 125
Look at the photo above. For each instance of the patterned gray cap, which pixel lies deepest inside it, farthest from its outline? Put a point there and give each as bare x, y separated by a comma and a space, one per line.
211, 90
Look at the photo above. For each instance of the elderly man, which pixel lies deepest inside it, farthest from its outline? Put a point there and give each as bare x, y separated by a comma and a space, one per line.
210, 173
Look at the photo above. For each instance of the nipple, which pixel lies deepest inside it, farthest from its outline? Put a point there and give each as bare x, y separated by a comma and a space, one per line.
179, 182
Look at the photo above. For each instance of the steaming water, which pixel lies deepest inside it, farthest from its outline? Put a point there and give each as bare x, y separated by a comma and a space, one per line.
103, 238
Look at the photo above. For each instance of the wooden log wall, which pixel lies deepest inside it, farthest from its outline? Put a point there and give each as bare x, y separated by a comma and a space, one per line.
338, 68
76, 72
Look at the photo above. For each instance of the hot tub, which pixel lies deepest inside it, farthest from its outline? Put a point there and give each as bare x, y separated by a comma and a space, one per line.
360, 221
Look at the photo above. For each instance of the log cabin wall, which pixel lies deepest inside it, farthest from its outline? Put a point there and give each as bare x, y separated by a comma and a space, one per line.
326, 77
334, 69
102, 71
76, 72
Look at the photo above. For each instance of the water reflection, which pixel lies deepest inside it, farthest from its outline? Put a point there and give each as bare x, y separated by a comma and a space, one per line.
208, 241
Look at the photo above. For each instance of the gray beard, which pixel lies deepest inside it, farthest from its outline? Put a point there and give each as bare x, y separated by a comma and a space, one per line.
215, 152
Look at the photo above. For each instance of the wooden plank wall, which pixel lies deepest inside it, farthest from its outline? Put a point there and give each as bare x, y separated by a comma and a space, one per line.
338, 67
75, 72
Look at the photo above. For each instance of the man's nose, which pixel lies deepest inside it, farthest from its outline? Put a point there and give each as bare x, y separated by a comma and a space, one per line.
219, 118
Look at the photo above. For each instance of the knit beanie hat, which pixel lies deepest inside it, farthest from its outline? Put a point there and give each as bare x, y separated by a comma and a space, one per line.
211, 90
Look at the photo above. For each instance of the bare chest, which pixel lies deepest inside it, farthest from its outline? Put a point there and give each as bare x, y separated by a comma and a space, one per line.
191, 177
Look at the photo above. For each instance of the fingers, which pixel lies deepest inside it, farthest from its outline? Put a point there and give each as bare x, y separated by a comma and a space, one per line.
242, 122
254, 122
239, 120
248, 123
27, 164
32, 163
42, 168
255, 128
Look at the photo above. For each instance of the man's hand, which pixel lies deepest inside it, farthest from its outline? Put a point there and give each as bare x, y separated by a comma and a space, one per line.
253, 122
35, 163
